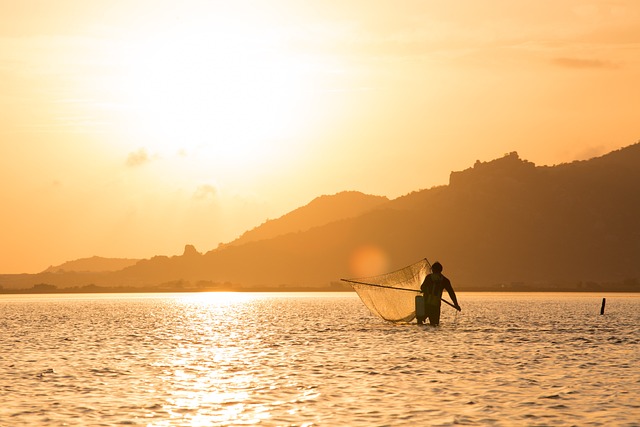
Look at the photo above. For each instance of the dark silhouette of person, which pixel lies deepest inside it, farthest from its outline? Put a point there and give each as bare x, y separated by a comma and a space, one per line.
432, 288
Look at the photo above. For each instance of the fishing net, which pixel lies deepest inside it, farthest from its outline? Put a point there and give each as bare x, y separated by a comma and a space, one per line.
391, 296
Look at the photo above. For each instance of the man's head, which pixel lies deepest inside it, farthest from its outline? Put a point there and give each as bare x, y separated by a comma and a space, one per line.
436, 267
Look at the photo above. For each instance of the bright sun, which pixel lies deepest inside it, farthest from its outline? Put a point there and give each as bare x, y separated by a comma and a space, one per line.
227, 94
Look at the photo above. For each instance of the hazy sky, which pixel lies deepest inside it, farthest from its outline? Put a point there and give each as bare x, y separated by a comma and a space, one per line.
131, 128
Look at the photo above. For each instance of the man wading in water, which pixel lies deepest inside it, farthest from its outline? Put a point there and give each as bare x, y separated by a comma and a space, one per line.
432, 288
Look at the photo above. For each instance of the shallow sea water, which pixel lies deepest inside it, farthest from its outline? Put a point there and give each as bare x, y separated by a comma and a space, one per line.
317, 359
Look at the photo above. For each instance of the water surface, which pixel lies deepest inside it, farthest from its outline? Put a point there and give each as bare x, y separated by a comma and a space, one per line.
317, 359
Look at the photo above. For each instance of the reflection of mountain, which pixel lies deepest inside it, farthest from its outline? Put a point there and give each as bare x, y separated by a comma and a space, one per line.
500, 222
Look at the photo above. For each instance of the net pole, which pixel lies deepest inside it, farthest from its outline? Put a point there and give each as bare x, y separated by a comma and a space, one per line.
393, 287
380, 286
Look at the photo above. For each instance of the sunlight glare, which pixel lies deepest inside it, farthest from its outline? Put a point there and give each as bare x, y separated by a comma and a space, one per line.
224, 92
219, 299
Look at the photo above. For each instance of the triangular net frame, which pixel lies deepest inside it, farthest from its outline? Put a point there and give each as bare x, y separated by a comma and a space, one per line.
391, 296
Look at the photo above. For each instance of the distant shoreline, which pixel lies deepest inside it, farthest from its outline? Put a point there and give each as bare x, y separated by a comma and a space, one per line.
180, 286
274, 290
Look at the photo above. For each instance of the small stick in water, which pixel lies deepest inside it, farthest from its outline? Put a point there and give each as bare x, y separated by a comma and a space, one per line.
604, 300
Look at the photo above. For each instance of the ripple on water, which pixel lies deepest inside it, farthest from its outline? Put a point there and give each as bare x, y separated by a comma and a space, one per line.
316, 359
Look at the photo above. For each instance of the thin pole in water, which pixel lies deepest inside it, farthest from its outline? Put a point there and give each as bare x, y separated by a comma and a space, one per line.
604, 301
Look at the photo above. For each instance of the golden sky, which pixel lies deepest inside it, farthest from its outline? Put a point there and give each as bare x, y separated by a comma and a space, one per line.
129, 128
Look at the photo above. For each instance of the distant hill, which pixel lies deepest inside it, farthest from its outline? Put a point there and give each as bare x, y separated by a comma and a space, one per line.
501, 224
93, 264
320, 211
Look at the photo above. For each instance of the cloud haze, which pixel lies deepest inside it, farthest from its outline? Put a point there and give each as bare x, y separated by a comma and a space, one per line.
138, 158
582, 63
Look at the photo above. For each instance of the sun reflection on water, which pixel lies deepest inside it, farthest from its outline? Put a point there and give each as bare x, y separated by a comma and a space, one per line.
213, 377
218, 298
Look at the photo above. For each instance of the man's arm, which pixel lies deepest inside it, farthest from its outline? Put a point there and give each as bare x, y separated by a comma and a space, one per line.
452, 294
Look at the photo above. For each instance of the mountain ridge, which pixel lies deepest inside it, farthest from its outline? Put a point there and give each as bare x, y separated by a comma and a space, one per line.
95, 264
504, 223
320, 211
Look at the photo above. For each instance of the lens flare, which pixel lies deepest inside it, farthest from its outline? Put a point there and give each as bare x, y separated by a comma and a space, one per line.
368, 260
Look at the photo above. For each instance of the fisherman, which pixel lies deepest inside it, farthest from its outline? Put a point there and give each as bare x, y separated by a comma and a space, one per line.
432, 288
